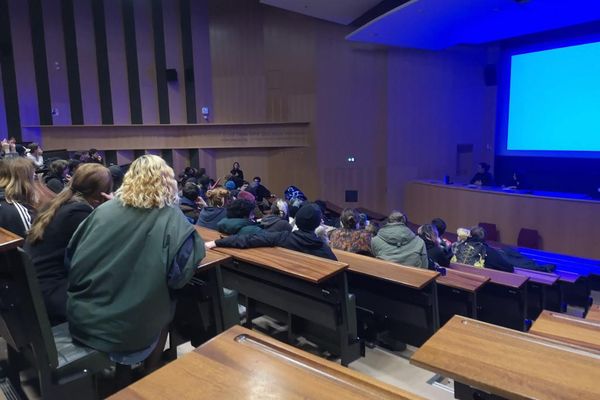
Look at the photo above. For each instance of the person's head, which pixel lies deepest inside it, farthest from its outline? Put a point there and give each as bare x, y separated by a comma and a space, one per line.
372, 228
308, 217
230, 185
204, 181
12, 140
117, 176
397, 217
240, 208
236, 165
349, 218
87, 184
363, 220
292, 192
35, 149
93, 153
73, 165
247, 196
280, 208
59, 168
200, 172
429, 233
257, 179
19, 187
190, 191
483, 167
217, 197
440, 225
478, 233
149, 183
244, 186
463, 234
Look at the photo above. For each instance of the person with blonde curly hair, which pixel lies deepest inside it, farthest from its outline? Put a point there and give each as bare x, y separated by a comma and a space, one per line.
125, 259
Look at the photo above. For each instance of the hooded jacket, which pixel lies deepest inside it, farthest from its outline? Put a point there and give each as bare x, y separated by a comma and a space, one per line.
14, 217
273, 223
396, 242
304, 242
242, 226
210, 217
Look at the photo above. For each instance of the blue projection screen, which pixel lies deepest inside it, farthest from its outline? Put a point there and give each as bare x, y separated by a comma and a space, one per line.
554, 101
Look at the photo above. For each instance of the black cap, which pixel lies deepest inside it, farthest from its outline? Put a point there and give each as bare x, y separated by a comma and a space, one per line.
308, 217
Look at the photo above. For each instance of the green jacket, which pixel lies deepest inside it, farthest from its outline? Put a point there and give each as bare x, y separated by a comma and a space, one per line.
239, 226
396, 242
119, 259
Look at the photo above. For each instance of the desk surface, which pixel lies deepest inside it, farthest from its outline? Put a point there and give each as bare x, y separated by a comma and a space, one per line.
242, 364
569, 329
593, 313
289, 262
212, 259
9, 240
512, 364
498, 277
543, 278
462, 280
406, 276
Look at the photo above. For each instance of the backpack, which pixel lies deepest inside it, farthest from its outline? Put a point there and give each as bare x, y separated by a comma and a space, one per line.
470, 253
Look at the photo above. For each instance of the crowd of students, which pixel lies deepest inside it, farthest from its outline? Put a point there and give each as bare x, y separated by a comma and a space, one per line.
110, 249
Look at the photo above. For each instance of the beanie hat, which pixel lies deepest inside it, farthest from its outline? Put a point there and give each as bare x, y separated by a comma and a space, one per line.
308, 217
292, 192
246, 196
230, 185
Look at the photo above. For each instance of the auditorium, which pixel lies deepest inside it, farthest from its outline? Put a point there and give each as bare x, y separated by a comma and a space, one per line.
300, 199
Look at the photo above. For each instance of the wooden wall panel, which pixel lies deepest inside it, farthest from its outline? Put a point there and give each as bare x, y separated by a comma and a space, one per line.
117, 62
24, 66
207, 160
147, 67
125, 157
254, 162
57, 65
88, 67
3, 126
174, 58
560, 222
181, 160
202, 57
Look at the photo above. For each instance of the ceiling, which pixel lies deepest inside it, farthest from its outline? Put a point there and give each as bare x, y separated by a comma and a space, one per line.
338, 11
438, 24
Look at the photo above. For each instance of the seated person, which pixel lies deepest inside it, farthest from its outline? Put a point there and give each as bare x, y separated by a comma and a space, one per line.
516, 181
475, 251
258, 190
57, 175
117, 176
349, 237
304, 240
188, 203
218, 199
436, 254
35, 155
53, 227
125, 259
239, 219
397, 243
277, 221
18, 195
483, 177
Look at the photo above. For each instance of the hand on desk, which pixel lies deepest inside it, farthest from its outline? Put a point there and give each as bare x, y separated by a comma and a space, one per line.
210, 245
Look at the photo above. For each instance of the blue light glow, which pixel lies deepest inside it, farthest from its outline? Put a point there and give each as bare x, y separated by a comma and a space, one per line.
554, 102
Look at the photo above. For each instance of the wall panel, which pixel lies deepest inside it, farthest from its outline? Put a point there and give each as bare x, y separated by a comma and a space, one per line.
3, 126
117, 62
202, 57
174, 59
145, 55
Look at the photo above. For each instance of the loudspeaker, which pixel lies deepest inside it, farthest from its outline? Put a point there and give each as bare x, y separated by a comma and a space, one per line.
171, 75
351, 196
490, 75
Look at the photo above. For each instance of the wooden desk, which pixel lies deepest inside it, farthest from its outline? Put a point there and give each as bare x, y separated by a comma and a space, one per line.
208, 235
509, 364
503, 300
242, 364
9, 240
593, 313
212, 259
543, 290
569, 329
404, 297
458, 293
310, 293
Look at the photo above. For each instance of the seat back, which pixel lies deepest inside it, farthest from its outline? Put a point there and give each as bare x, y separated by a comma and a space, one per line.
529, 238
24, 321
491, 232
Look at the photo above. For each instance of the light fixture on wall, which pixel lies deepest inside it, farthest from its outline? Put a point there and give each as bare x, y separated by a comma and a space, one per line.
351, 159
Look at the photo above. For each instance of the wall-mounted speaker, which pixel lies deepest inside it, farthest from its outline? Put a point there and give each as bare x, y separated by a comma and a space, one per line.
171, 75
351, 196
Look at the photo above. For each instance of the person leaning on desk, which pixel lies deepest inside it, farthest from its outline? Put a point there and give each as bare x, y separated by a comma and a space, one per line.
483, 177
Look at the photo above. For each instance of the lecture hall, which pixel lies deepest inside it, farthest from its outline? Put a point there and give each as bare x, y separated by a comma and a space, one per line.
328, 199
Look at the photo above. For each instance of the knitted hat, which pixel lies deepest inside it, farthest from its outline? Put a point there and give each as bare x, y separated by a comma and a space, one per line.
246, 196
230, 185
292, 192
308, 217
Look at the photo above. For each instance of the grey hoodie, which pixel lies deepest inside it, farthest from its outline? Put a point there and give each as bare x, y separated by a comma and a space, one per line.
396, 242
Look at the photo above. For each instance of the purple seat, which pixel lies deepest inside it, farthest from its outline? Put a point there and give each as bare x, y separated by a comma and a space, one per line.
491, 232
529, 238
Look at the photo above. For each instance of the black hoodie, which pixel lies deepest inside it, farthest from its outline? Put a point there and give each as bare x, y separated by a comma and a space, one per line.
304, 242
15, 217
274, 223
210, 217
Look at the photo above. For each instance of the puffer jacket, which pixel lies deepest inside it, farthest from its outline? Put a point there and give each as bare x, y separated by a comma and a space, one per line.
396, 242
